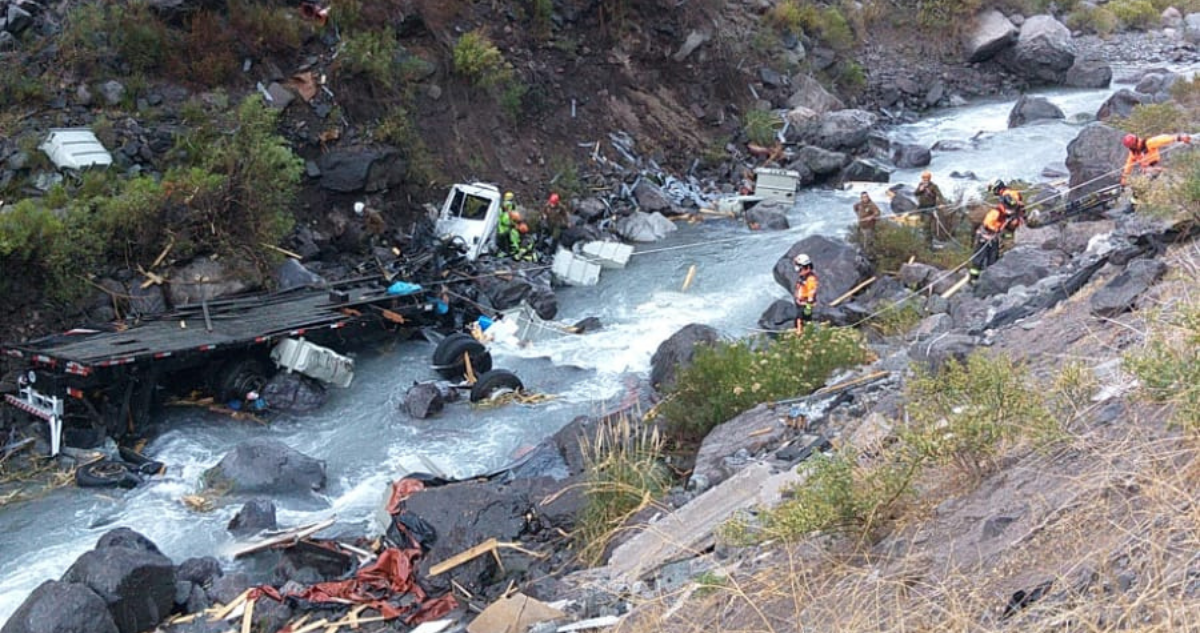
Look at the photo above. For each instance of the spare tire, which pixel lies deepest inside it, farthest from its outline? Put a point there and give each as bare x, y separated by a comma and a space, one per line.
494, 383
238, 377
105, 473
448, 356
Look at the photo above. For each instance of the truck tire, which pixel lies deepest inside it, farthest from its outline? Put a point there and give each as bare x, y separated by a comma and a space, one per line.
238, 377
448, 356
494, 383
105, 473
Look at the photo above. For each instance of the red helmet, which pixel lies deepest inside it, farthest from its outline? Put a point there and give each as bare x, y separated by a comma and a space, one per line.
1130, 141
554, 198
523, 228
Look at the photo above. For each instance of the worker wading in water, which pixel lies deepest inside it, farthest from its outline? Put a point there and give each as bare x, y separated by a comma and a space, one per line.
805, 293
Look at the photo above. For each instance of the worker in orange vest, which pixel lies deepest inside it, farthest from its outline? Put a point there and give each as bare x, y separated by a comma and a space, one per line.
987, 238
1143, 152
805, 293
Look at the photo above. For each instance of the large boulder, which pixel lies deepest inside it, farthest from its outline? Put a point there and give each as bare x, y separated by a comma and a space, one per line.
741, 435
204, 279
651, 198
910, 155
821, 162
1094, 159
842, 129
938, 350
992, 33
769, 215
645, 227
293, 392
1028, 109
136, 582
811, 94
255, 516
61, 607
866, 170
509, 291
268, 466
780, 316
1120, 104
1021, 266
354, 170
677, 352
1157, 84
835, 262
1043, 52
1089, 73
1119, 294
292, 274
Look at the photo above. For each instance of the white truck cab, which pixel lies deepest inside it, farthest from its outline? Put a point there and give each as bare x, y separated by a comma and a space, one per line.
471, 212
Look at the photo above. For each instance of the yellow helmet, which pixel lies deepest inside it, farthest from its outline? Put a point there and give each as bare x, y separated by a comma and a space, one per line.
508, 195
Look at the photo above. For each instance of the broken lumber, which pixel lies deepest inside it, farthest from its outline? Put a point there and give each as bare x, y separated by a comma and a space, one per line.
282, 251
489, 545
289, 537
223, 612
691, 276
958, 285
851, 292
248, 616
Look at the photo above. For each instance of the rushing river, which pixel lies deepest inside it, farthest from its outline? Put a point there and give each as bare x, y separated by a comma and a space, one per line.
362, 434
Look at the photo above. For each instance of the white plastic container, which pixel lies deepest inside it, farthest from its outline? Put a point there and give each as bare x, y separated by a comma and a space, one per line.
314, 361
776, 184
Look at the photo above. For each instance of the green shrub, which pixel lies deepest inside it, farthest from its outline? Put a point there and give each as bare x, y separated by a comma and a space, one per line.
762, 126
852, 77
826, 24
100, 34
1168, 365
1135, 14
895, 243
208, 53
27, 230
266, 28
726, 379
1089, 18
965, 414
947, 17
512, 99
897, 318
1148, 119
623, 474
543, 12
477, 59
397, 129
372, 54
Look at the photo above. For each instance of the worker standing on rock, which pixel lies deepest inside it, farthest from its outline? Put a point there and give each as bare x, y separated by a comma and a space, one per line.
987, 239
1011, 200
929, 199
868, 214
508, 237
554, 218
1143, 152
805, 293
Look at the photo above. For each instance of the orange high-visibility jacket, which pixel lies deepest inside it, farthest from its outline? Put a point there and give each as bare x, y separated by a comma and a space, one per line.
1149, 156
994, 222
806, 289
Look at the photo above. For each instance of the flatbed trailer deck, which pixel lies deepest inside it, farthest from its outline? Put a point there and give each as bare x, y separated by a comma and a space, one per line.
110, 379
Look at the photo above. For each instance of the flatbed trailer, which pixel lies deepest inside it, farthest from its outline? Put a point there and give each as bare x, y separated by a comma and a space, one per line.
110, 379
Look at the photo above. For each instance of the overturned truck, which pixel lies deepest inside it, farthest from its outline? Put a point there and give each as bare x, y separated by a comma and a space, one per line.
88, 380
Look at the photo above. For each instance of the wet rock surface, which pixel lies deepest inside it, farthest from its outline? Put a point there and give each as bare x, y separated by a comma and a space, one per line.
269, 466
131, 576
677, 352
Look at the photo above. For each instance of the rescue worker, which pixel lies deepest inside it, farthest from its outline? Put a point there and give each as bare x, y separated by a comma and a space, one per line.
372, 221
1143, 152
508, 237
929, 199
868, 214
554, 217
805, 293
987, 239
510, 203
1011, 199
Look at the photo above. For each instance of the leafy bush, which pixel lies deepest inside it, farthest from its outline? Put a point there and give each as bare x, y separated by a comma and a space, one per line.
477, 59
624, 473
512, 99
827, 24
208, 54
1135, 14
727, 378
896, 318
1148, 119
947, 17
27, 230
1168, 366
100, 34
397, 129
543, 11
852, 77
895, 243
762, 126
1090, 18
267, 28
964, 414
372, 54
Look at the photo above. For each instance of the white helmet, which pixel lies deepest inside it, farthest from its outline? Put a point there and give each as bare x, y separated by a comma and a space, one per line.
802, 260
358, 207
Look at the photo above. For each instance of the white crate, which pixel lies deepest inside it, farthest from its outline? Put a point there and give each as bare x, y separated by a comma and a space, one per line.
314, 361
574, 269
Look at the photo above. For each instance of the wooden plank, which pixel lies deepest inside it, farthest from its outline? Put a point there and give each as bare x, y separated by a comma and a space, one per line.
248, 616
287, 538
489, 545
851, 292
958, 285
223, 612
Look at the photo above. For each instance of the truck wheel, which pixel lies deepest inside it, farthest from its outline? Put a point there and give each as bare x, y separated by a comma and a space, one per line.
105, 473
239, 377
448, 356
493, 383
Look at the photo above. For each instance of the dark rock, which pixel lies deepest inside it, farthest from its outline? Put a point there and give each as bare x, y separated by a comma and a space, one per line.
1029, 109
1020, 266
293, 392
938, 350
18, 19
995, 525
780, 316
204, 279
677, 352
771, 78
127, 538
841, 129
769, 215
61, 607
915, 275
590, 209
904, 199
543, 301
651, 198
910, 155
137, 584
350, 171
309, 564
866, 170
228, 587
736, 435
255, 516
1120, 104
1156, 83
821, 162
1121, 293
1094, 158
147, 301
812, 95
1043, 52
970, 314
113, 92
199, 571
1089, 73
935, 93
423, 400
836, 264
293, 274
992, 33
267, 465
